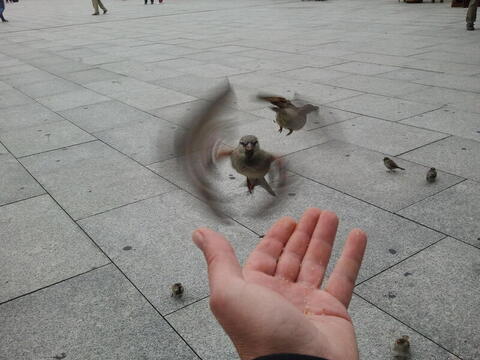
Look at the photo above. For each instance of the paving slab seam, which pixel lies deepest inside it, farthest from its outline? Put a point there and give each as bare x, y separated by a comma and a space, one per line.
17, 201
186, 306
429, 196
53, 284
62, 147
421, 146
405, 324
380, 208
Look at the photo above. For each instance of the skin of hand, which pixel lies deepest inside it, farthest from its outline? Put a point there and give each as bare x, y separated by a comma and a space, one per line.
274, 304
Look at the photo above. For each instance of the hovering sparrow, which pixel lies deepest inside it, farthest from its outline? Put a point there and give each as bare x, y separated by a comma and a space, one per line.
390, 164
289, 116
177, 290
251, 161
431, 175
401, 348
202, 145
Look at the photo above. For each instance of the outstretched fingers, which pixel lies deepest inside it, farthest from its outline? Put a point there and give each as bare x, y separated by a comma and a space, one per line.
290, 260
265, 256
319, 250
342, 280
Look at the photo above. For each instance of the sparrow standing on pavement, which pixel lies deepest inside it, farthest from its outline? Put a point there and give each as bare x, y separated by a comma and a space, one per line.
401, 348
431, 175
177, 290
289, 116
390, 164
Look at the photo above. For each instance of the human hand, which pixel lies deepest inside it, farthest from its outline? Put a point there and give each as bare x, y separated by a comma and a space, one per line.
274, 304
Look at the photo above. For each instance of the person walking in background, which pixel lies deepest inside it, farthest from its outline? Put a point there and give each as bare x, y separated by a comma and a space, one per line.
96, 4
472, 14
151, 1
2, 8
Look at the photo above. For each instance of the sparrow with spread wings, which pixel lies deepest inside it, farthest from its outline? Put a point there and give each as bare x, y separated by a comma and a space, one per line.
289, 116
203, 146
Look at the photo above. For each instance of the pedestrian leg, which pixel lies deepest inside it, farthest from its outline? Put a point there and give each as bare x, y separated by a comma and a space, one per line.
472, 14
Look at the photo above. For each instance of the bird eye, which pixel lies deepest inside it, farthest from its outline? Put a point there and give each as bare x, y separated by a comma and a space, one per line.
242, 143
254, 143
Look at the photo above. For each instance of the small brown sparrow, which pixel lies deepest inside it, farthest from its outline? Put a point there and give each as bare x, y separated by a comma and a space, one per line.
177, 290
289, 116
431, 175
401, 348
390, 164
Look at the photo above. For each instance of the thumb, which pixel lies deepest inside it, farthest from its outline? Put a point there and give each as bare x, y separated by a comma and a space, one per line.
222, 263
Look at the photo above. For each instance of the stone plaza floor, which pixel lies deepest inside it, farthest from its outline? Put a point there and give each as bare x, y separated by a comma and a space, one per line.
96, 214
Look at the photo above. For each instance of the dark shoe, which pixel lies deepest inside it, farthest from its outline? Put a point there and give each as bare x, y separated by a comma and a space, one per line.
95, 14
470, 27
4, 20
104, 11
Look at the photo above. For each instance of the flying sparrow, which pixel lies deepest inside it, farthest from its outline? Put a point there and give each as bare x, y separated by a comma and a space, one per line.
431, 175
289, 116
390, 164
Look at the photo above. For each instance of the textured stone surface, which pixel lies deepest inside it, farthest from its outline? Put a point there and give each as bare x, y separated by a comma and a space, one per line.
433, 292
106, 318
15, 183
102, 178
151, 242
405, 75
454, 211
41, 246
361, 173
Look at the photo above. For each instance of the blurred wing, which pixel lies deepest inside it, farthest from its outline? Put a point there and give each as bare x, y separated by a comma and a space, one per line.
201, 145
278, 101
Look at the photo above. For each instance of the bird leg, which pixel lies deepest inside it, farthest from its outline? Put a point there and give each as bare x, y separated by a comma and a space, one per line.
290, 132
280, 130
250, 186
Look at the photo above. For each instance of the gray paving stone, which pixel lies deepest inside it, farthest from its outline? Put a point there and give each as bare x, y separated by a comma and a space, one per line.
455, 155
27, 77
152, 99
17, 117
15, 183
13, 98
145, 141
464, 100
71, 99
434, 291
102, 178
361, 173
105, 115
362, 68
119, 85
378, 86
386, 108
312, 74
197, 86
44, 137
65, 67
391, 238
454, 211
141, 71
111, 320
379, 135
158, 231
449, 120
215, 345
91, 75
40, 246
47, 88
376, 333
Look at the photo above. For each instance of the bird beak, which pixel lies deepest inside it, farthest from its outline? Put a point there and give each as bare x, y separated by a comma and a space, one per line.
249, 147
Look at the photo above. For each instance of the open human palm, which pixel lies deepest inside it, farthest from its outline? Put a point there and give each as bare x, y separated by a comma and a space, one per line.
275, 304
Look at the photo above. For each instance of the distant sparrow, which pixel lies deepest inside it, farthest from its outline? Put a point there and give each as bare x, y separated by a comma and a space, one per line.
390, 164
177, 290
401, 348
289, 116
431, 175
